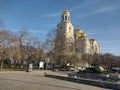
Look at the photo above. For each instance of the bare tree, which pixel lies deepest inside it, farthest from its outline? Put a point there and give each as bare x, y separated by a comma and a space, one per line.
34, 49
107, 60
87, 58
58, 46
96, 59
6, 39
22, 41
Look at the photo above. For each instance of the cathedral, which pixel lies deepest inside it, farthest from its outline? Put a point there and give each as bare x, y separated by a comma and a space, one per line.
75, 41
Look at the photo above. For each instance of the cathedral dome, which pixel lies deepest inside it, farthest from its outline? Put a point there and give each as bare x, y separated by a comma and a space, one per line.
84, 35
79, 33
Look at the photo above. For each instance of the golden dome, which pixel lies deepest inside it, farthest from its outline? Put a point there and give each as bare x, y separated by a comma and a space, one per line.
79, 30
84, 35
66, 12
80, 33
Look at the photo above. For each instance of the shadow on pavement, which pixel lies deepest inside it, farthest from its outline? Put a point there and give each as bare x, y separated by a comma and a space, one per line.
40, 83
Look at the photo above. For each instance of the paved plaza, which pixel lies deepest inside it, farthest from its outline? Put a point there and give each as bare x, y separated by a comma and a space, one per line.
35, 80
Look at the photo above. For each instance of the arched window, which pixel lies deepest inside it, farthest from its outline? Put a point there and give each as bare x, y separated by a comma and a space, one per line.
65, 17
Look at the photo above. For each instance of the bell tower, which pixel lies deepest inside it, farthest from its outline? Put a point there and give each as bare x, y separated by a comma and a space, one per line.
65, 16
66, 29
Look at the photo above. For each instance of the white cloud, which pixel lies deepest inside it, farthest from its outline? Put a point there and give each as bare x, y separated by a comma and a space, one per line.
51, 25
97, 11
93, 33
110, 42
34, 31
114, 51
93, 7
38, 31
58, 13
55, 14
88, 8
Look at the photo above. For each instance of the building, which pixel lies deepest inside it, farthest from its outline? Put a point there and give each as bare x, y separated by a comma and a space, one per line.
65, 32
75, 41
83, 45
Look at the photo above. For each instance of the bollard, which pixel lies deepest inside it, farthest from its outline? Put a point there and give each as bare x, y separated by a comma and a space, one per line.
45, 74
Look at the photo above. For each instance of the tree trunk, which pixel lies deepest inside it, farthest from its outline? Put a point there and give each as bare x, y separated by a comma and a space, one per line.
1, 66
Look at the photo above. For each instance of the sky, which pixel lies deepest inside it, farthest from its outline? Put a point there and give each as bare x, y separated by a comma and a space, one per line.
100, 19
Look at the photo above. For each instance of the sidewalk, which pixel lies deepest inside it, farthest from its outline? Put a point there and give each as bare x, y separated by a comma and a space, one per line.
39, 72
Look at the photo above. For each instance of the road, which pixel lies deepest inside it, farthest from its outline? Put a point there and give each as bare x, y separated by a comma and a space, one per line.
35, 80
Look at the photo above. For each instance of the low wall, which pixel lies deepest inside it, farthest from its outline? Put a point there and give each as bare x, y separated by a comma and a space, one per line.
88, 82
103, 77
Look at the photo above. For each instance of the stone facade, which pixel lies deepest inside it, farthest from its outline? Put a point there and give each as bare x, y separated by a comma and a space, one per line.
74, 41
65, 30
83, 45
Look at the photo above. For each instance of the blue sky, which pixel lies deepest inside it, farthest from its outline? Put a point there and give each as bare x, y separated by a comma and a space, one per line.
100, 19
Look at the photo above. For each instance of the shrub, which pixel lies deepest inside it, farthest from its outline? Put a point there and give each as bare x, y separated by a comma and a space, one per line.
95, 69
